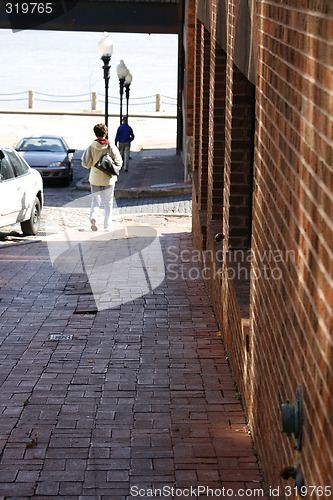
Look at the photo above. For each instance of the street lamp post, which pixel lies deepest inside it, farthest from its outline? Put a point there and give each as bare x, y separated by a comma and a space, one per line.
122, 72
105, 49
128, 81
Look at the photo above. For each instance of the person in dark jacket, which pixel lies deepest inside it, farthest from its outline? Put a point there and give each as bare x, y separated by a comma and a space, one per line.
123, 140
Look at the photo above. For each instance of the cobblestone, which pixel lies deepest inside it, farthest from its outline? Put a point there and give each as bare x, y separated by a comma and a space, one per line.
71, 209
169, 205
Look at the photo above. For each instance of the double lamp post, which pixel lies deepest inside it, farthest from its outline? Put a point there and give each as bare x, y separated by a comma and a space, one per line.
105, 49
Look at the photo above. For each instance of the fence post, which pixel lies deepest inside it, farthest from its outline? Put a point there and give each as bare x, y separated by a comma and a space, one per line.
158, 102
93, 101
31, 99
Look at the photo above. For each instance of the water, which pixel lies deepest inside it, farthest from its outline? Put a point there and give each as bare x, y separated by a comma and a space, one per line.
66, 64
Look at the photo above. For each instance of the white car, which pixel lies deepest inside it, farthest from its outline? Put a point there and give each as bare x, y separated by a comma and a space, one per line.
21, 192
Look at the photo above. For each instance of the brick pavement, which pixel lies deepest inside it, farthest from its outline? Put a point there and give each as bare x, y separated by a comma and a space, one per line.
140, 397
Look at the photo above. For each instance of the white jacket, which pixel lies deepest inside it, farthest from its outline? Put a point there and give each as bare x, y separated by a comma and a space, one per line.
91, 156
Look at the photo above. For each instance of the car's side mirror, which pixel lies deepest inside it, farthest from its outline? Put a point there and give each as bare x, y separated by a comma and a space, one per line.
71, 150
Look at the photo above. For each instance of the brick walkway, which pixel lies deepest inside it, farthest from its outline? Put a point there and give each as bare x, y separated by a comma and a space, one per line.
139, 398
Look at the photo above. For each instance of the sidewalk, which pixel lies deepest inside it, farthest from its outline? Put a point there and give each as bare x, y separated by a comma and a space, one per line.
114, 383
103, 401
152, 172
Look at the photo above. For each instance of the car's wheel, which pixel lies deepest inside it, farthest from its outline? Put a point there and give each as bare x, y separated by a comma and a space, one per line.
30, 227
67, 180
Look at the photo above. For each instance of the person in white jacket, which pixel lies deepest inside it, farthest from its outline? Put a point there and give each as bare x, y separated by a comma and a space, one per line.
101, 185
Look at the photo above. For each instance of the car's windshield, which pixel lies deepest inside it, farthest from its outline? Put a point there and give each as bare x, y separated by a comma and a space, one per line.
6, 169
41, 144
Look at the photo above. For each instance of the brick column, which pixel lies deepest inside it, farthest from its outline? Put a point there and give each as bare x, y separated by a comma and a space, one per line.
203, 199
241, 167
189, 85
200, 144
198, 83
213, 256
218, 133
239, 148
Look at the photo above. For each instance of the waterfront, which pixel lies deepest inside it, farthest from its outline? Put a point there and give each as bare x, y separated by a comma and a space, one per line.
150, 132
58, 64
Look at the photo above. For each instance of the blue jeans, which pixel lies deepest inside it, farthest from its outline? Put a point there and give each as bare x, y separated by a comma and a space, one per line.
102, 194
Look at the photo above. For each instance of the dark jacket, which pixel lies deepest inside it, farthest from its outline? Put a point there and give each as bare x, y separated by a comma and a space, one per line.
124, 133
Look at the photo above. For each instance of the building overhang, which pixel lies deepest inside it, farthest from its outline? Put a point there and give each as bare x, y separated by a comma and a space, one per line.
100, 15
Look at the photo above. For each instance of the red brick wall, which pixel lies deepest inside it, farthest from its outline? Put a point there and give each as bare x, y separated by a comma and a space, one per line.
277, 328
205, 131
217, 134
293, 208
190, 67
241, 168
194, 126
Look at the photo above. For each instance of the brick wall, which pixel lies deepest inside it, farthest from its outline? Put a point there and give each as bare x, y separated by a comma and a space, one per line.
277, 326
241, 158
292, 217
217, 134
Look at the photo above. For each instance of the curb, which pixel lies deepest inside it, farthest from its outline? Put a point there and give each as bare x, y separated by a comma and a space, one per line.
172, 189
150, 192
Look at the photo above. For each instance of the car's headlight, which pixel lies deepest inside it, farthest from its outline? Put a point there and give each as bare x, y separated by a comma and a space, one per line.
57, 164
